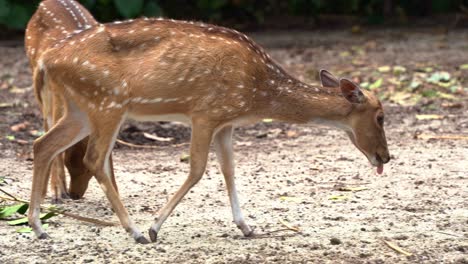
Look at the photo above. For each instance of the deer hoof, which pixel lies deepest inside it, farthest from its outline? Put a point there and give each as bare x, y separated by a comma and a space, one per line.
43, 236
57, 200
250, 233
153, 235
142, 240
75, 196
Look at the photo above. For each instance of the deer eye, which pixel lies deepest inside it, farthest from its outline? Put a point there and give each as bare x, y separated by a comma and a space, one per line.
380, 120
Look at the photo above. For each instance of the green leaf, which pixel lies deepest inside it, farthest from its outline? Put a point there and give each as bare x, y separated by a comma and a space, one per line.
440, 76
24, 220
429, 93
11, 210
129, 9
464, 67
19, 221
376, 84
29, 229
152, 9
10, 137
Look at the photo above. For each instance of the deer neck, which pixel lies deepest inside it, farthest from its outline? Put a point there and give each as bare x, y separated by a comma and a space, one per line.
294, 101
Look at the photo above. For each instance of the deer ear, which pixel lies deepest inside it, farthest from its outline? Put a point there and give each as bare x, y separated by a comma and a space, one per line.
352, 92
328, 80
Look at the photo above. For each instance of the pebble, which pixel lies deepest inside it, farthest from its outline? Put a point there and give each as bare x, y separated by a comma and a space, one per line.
335, 241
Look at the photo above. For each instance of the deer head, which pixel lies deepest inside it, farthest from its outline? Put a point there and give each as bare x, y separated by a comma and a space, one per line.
364, 122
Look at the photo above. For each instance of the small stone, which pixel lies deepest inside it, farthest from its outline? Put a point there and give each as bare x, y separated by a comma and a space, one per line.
401, 237
335, 241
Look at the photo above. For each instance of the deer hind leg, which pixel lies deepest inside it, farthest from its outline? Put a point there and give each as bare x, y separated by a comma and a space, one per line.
58, 182
225, 155
47, 115
202, 133
70, 129
100, 144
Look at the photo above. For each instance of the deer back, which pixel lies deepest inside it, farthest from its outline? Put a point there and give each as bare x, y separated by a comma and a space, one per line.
165, 67
53, 21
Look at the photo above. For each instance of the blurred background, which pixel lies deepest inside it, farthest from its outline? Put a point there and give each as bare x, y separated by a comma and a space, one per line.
258, 14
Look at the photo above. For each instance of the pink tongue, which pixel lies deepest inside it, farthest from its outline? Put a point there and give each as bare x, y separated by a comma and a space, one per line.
380, 169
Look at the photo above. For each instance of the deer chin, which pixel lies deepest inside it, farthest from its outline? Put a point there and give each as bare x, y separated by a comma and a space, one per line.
372, 159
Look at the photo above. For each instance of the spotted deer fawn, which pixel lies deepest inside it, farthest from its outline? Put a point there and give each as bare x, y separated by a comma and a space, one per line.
212, 77
54, 21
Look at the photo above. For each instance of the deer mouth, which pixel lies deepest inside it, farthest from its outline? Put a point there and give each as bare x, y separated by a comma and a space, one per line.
376, 160
378, 163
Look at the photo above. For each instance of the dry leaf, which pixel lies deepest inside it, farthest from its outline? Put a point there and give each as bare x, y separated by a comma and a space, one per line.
429, 117
291, 133
22, 142
384, 69
184, 157
452, 105
19, 127
289, 226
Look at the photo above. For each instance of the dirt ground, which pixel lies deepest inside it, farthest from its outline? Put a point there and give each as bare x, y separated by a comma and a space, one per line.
292, 173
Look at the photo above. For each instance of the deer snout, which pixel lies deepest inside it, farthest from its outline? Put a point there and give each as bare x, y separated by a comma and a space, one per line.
382, 159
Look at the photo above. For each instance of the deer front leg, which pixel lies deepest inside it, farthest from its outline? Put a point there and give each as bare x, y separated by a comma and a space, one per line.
100, 144
202, 133
67, 132
225, 154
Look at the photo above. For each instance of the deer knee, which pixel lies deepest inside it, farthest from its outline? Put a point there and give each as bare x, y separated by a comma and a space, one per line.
41, 152
91, 162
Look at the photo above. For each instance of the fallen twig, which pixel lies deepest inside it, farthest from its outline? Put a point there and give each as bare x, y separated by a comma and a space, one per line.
453, 137
269, 234
449, 234
397, 248
128, 144
289, 226
59, 211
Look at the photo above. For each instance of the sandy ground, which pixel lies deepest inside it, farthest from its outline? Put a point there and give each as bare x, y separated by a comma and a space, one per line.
419, 203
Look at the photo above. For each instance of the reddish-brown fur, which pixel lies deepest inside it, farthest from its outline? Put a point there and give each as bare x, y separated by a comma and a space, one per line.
54, 21
213, 77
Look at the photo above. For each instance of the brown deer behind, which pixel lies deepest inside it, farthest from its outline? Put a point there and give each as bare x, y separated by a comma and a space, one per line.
54, 21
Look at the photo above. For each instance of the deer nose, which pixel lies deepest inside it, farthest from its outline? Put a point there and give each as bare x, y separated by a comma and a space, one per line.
384, 160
